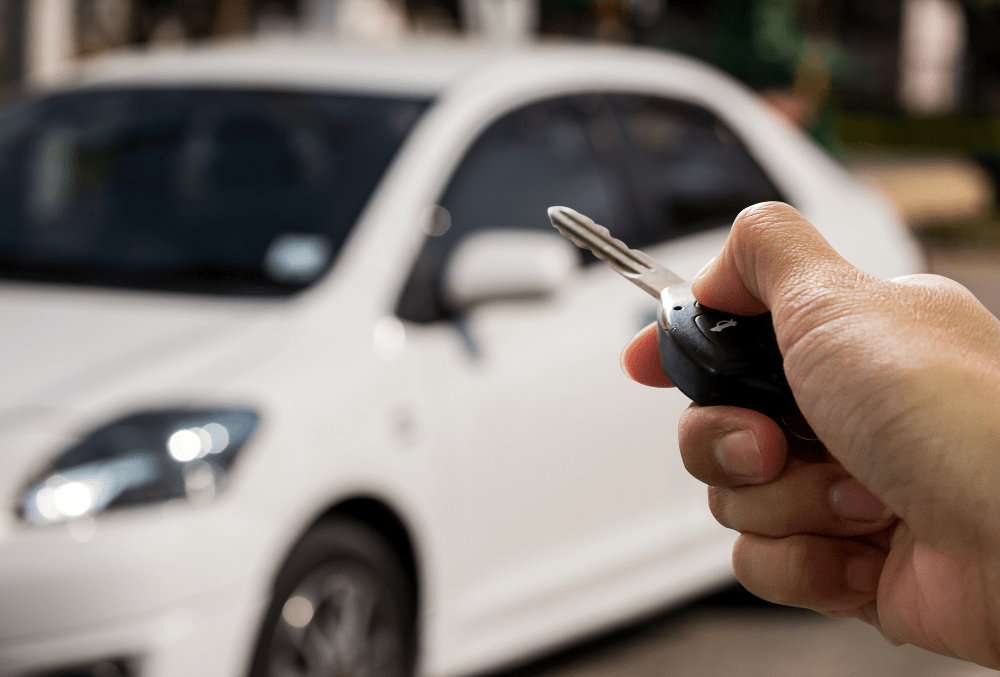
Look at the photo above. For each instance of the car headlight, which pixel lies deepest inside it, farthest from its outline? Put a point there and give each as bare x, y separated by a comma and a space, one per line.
147, 457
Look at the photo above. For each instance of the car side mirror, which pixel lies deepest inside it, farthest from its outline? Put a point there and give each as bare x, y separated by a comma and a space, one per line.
495, 265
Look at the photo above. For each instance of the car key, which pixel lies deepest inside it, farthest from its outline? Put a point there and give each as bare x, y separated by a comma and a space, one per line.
712, 357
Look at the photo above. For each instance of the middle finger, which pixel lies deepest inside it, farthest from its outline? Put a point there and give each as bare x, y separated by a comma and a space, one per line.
807, 498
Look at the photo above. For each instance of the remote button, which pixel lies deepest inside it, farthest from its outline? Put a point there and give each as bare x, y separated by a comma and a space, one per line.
720, 332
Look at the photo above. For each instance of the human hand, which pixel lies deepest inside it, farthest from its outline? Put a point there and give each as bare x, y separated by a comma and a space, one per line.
899, 525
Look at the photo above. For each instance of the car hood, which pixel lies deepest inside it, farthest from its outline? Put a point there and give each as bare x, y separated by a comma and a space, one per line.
59, 345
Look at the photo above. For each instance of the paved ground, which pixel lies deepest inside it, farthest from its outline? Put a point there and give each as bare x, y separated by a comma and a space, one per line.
731, 634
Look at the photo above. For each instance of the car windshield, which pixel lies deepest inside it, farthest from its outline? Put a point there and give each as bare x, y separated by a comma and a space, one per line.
208, 191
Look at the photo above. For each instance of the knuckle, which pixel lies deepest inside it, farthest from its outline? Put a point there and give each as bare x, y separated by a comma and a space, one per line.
784, 516
798, 568
693, 460
684, 436
742, 558
752, 566
718, 503
691, 424
763, 214
788, 571
694, 438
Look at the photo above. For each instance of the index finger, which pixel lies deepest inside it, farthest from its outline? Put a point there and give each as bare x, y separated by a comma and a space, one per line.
640, 359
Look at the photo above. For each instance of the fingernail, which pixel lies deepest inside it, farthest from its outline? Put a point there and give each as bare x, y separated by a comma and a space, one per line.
862, 573
852, 501
738, 454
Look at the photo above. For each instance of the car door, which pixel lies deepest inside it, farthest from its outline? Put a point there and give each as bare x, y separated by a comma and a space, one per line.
564, 480
551, 478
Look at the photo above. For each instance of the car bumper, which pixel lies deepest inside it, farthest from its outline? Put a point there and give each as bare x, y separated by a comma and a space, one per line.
204, 636
169, 592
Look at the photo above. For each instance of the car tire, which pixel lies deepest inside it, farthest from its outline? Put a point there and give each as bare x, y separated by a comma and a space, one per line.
343, 606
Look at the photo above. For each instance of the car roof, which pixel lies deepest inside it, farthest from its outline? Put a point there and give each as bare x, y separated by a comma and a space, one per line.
418, 67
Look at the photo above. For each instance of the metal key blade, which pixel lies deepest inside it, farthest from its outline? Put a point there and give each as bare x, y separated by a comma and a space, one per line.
638, 267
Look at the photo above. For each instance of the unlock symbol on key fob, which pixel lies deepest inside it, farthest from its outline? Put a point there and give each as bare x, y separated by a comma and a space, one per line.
723, 324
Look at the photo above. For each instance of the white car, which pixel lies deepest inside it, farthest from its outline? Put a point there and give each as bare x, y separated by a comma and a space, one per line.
299, 380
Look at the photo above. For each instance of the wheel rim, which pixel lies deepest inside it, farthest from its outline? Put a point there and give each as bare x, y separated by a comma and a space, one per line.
340, 621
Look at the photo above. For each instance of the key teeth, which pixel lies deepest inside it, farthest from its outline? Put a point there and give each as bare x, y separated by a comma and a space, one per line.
643, 270
575, 240
559, 216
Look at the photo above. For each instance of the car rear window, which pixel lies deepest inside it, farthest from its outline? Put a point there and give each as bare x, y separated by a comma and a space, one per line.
206, 191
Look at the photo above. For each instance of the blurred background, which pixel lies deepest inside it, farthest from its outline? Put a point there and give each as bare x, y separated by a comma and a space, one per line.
905, 93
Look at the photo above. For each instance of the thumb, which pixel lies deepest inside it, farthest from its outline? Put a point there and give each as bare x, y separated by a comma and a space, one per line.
771, 257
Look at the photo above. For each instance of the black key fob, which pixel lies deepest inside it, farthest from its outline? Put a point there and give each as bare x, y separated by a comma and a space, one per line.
720, 358
714, 358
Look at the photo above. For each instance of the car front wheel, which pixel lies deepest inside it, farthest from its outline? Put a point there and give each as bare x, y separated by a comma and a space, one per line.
343, 606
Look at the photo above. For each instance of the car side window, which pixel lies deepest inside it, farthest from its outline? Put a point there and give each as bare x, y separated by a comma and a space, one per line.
528, 160
690, 171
